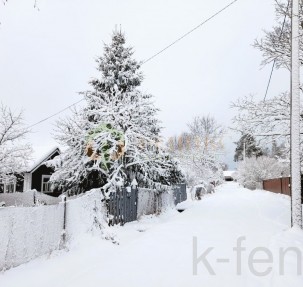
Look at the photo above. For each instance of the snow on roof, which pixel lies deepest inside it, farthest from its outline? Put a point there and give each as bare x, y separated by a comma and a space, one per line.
228, 173
39, 160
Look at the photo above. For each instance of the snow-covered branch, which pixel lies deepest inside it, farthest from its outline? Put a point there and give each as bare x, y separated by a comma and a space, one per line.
14, 153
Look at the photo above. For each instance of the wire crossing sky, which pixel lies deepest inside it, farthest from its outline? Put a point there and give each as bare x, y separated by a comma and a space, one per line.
149, 59
274, 62
47, 57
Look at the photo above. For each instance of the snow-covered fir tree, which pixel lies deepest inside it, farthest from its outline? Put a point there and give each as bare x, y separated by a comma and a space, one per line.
266, 121
116, 137
251, 148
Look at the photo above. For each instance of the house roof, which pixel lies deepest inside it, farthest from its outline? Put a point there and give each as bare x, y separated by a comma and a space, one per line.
42, 159
228, 173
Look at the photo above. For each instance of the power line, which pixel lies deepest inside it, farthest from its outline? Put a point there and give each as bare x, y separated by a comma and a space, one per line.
189, 32
57, 113
274, 62
150, 58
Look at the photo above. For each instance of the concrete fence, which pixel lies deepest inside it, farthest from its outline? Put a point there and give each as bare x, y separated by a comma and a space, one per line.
29, 232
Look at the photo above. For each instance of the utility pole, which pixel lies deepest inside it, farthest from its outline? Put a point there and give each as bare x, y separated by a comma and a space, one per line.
296, 207
244, 151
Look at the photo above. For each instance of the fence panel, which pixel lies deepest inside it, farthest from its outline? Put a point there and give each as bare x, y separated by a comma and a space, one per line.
146, 201
153, 202
84, 213
280, 185
180, 193
273, 185
29, 232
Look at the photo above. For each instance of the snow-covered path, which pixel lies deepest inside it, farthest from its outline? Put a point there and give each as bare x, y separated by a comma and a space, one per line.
158, 251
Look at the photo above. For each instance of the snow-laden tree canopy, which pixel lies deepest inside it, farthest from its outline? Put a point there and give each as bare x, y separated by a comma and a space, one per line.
14, 153
199, 150
116, 136
267, 120
247, 142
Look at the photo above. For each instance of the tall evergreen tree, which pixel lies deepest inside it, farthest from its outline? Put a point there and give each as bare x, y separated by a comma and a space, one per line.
251, 148
116, 137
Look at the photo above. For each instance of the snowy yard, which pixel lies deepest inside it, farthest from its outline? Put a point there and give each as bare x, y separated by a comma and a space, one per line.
158, 250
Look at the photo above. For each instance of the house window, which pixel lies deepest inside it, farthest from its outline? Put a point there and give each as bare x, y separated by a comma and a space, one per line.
10, 187
45, 185
7, 187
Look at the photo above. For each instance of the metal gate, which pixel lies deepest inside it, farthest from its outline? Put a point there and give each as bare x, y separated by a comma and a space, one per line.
122, 205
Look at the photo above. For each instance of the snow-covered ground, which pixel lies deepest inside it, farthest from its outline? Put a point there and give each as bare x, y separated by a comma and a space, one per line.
158, 250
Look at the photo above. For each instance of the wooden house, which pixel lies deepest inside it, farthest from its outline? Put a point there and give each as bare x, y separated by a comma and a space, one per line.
38, 175
35, 177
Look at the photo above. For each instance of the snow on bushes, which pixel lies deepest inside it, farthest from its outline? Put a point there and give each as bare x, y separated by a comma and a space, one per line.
253, 171
198, 150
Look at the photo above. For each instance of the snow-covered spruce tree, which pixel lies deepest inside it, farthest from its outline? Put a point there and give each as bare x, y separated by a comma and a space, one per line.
251, 148
267, 120
116, 137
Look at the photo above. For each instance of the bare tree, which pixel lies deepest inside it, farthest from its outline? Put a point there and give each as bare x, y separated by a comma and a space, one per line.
276, 43
207, 133
14, 153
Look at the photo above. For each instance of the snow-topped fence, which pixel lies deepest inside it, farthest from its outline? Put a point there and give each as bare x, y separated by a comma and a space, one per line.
28, 198
280, 185
29, 232
128, 204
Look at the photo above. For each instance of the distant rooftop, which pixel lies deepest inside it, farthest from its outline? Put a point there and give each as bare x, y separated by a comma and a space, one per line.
229, 172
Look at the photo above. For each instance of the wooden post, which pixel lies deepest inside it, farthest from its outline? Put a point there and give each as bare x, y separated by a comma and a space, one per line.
35, 200
64, 223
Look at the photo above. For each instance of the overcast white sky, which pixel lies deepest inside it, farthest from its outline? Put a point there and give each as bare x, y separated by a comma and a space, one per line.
47, 56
